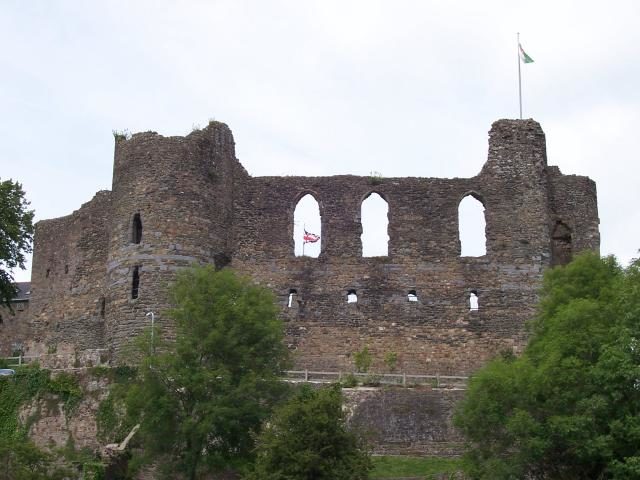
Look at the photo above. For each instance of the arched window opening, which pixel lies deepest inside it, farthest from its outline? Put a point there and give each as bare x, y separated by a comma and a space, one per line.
136, 229
561, 247
473, 301
412, 296
307, 226
375, 222
292, 296
352, 296
135, 282
48, 273
473, 241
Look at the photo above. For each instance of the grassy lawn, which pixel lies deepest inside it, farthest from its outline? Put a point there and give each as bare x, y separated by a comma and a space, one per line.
390, 467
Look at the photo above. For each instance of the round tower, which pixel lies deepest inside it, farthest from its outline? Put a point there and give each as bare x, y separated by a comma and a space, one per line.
171, 207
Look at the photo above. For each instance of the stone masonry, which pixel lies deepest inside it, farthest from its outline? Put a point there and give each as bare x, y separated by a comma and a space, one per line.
179, 200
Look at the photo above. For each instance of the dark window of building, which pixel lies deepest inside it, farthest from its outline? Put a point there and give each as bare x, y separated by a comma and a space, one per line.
352, 296
374, 217
135, 282
136, 229
48, 272
102, 307
412, 296
292, 296
66, 269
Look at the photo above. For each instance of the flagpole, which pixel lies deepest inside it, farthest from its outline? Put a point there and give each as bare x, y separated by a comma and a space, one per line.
519, 79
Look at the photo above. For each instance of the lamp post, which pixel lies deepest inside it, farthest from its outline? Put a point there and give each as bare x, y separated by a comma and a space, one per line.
153, 318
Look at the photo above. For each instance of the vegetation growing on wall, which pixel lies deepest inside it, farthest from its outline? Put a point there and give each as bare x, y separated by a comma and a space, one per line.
112, 422
19, 457
362, 360
28, 384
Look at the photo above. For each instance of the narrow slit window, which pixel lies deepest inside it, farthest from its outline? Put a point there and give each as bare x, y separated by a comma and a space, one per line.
307, 226
102, 307
412, 296
472, 227
375, 223
48, 272
352, 296
292, 296
136, 229
66, 269
135, 282
473, 301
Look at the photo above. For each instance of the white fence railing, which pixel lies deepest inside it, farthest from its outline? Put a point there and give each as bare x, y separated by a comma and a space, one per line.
369, 378
60, 361
404, 379
21, 360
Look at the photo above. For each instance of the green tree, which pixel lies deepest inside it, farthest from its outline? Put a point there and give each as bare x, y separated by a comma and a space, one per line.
569, 407
16, 233
201, 398
22, 460
362, 360
307, 439
391, 360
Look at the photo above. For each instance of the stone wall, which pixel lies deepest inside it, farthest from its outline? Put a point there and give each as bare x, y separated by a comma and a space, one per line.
438, 333
98, 272
394, 421
67, 306
182, 189
15, 329
406, 421
51, 427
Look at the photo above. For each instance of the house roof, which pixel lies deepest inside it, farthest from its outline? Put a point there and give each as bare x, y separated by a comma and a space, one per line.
24, 292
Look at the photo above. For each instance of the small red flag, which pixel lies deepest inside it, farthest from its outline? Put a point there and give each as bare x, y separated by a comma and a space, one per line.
310, 237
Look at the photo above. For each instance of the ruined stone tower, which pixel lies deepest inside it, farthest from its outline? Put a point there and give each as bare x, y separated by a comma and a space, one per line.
179, 200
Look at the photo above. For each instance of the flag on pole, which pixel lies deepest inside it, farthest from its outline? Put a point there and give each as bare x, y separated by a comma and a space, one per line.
310, 237
523, 55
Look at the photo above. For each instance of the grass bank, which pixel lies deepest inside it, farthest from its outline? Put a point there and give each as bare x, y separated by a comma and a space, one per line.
421, 467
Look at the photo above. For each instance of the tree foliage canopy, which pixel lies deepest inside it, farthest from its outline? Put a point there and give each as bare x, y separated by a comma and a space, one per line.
569, 407
306, 438
22, 460
16, 234
201, 398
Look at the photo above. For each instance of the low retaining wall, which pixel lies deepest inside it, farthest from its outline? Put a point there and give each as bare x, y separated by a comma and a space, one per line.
406, 421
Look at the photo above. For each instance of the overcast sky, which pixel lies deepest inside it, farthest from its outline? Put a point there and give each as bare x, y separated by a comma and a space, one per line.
404, 88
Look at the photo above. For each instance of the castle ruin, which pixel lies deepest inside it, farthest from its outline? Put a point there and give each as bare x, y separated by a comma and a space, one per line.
179, 200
